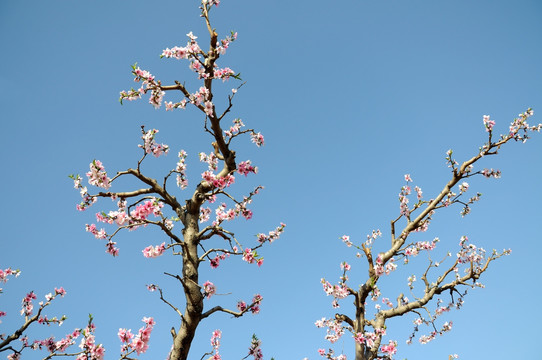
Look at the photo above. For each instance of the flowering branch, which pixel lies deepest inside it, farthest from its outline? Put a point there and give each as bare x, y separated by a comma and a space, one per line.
417, 218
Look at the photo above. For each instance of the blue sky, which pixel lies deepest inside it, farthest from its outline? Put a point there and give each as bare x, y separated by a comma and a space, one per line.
350, 96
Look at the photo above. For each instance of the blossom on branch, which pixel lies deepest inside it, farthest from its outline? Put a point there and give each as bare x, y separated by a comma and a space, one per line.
150, 146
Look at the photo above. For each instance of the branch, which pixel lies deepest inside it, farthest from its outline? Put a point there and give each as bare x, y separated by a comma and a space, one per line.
234, 313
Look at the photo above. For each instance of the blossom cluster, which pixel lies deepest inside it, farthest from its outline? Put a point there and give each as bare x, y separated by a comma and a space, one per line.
148, 83
414, 249
178, 52
519, 126
61, 345
335, 329
224, 214
403, 197
223, 45
339, 291
151, 146
88, 200
27, 306
219, 182
215, 343
192, 51
97, 175
440, 310
154, 251
138, 343
211, 160
234, 129
424, 339
469, 253
255, 348
221, 214
254, 307
257, 138
346, 240
490, 173
272, 235
144, 210
488, 123
180, 169
209, 289
101, 234
8, 272
91, 350
389, 349
135, 219
381, 268
137, 216
372, 237
251, 257
245, 168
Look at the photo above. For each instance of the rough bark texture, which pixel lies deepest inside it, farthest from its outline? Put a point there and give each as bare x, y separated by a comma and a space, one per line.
193, 295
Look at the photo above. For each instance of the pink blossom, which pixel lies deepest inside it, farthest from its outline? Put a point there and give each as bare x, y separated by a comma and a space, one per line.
372, 237
180, 169
241, 305
215, 262
156, 98
488, 173
209, 289
125, 336
359, 338
424, 339
208, 108
249, 255
211, 160
256, 301
389, 349
235, 128
97, 175
320, 323
346, 240
111, 249
150, 146
488, 123
152, 252
272, 235
223, 74
60, 291
257, 138
322, 352
144, 210
140, 342
418, 192
245, 168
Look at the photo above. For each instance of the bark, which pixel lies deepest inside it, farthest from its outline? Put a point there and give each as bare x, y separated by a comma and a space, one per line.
194, 297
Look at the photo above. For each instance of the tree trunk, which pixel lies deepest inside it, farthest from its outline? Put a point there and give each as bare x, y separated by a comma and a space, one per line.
192, 290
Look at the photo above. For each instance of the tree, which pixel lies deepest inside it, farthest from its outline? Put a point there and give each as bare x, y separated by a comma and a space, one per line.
454, 276
149, 143
155, 204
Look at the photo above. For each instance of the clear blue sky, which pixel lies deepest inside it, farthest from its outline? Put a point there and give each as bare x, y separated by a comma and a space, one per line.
350, 96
